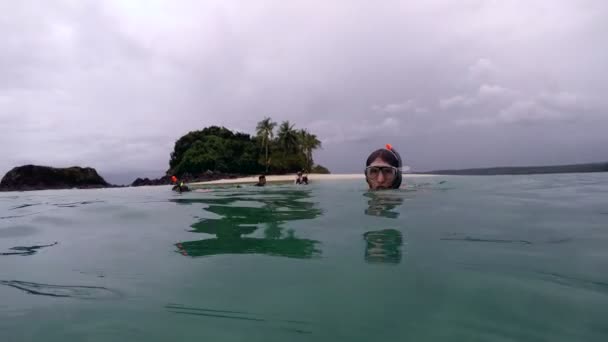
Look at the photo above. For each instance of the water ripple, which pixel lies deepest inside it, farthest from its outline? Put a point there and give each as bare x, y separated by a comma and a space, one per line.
62, 291
24, 206
17, 216
473, 239
27, 250
242, 316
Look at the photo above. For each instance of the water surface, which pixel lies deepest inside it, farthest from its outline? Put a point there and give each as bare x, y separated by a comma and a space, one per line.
506, 258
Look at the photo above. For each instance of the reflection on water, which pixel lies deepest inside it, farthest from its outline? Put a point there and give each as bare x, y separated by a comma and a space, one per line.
382, 203
243, 214
383, 246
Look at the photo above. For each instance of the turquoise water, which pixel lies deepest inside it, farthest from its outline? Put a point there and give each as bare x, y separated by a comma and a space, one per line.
520, 258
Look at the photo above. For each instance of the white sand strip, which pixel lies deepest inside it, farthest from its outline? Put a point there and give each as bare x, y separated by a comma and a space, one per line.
291, 178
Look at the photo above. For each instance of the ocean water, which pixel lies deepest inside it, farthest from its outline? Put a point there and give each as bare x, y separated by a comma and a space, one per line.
504, 258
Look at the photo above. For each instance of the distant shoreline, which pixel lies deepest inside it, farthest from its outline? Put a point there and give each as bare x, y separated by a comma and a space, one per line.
291, 178
227, 179
525, 170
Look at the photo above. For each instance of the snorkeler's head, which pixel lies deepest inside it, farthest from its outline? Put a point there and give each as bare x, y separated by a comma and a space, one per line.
383, 169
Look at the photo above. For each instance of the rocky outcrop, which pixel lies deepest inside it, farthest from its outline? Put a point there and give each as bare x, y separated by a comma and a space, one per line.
166, 180
34, 177
203, 177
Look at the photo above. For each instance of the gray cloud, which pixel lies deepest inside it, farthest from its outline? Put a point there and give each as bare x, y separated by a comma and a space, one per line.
112, 84
456, 102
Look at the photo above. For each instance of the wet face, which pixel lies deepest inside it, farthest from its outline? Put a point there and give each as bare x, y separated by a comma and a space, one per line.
262, 180
380, 175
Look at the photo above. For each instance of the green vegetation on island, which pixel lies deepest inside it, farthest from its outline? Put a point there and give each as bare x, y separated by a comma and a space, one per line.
271, 150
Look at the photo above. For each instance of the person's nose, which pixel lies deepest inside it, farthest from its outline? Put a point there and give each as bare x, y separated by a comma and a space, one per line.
380, 178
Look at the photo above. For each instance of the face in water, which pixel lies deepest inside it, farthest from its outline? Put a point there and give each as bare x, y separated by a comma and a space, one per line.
380, 175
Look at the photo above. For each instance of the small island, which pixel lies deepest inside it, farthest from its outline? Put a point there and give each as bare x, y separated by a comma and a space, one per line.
35, 177
215, 153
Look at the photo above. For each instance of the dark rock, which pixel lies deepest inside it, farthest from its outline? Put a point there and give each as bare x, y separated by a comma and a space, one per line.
166, 180
162, 181
187, 178
142, 182
34, 177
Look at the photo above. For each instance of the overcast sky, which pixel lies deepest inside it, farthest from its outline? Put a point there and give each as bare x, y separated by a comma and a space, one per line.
451, 84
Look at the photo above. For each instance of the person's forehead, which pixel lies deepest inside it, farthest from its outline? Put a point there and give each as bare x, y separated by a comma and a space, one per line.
379, 162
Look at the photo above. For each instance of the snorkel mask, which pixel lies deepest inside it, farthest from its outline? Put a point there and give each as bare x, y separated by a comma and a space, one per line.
397, 168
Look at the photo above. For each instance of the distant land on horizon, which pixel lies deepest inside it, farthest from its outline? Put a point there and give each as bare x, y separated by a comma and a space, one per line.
126, 178
525, 170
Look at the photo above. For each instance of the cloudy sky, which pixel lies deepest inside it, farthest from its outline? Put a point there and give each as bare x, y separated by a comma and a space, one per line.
451, 84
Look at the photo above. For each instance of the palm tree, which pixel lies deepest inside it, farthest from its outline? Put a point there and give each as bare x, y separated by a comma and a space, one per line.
265, 132
288, 138
308, 143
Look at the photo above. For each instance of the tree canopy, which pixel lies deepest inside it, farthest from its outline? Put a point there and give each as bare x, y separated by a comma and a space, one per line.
220, 149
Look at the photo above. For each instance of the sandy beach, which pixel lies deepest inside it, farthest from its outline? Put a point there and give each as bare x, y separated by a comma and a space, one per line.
313, 177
